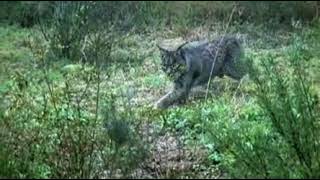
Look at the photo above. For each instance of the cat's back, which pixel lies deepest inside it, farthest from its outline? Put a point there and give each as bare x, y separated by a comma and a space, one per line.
195, 45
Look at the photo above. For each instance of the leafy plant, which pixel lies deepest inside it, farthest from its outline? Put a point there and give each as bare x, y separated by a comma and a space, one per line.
284, 142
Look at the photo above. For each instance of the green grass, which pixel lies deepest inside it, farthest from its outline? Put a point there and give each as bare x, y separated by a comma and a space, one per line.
12, 51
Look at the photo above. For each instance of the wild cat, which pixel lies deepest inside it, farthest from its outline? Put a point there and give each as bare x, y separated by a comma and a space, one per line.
192, 64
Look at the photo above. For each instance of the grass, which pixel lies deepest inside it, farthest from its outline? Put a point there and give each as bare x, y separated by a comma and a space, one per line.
13, 53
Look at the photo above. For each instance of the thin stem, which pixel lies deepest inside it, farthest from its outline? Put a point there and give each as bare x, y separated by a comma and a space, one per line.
218, 48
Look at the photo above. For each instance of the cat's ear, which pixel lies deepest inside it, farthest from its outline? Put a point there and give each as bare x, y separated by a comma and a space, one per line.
162, 49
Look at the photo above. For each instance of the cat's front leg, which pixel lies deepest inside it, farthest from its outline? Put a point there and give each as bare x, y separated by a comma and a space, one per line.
170, 98
165, 101
179, 93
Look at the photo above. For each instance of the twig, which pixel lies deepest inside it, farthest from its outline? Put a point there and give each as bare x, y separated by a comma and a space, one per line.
215, 57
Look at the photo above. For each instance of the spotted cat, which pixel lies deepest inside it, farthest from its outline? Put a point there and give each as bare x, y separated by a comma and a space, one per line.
190, 64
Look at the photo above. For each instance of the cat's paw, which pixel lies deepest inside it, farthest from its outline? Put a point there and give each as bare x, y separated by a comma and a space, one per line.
160, 105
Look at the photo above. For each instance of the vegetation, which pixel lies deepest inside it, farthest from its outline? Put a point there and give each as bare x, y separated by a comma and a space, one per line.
78, 81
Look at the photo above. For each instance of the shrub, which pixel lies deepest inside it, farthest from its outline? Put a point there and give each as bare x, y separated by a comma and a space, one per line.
282, 139
52, 125
24, 13
78, 31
